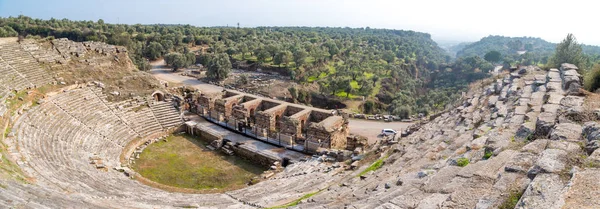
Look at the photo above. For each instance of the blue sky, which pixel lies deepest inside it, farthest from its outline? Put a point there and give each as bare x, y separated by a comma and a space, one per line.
459, 20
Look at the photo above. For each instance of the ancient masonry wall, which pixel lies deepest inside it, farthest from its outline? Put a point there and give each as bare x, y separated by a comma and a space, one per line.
207, 134
254, 156
225, 105
280, 120
317, 116
331, 131
293, 125
269, 119
243, 110
205, 103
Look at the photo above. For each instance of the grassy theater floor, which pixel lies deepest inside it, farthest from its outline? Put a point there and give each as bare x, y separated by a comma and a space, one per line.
184, 161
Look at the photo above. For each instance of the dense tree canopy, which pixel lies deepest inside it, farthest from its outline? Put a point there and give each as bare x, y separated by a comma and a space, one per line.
394, 71
525, 51
492, 56
219, 66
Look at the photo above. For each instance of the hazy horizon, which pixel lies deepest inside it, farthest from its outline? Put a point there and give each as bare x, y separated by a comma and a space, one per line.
465, 21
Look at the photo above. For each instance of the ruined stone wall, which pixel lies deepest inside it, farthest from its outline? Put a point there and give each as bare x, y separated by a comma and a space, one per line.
355, 141
225, 105
265, 105
339, 138
221, 106
205, 133
275, 112
206, 103
243, 111
67, 47
333, 130
254, 156
263, 120
318, 116
103, 48
239, 113
291, 110
292, 125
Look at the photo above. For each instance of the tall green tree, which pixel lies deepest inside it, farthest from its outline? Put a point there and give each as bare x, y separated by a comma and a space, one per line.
283, 57
176, 60
568, 51
219, 67
492, 56
154, 50
300, 57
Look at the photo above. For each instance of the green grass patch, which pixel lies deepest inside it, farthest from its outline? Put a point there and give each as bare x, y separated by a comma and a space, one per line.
183, 161
376, 89
297, 201
354, 84
511, 201
322, 75
331, 69
488, 154
376, 165
368, 75
343, 94
7, 131
462, 162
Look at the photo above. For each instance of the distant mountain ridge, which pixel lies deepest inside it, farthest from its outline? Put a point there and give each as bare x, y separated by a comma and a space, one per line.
516, 45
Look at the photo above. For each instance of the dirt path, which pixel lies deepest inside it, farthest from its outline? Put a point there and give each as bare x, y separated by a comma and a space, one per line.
371, 129
162, 72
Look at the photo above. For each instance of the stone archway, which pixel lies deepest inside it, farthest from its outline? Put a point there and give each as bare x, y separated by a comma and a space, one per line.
158, 96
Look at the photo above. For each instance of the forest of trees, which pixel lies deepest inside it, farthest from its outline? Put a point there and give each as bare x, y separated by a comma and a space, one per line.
524, 50
395, 71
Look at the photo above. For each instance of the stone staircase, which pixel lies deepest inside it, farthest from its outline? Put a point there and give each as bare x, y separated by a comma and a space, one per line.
167, 115
24, 63
519, 134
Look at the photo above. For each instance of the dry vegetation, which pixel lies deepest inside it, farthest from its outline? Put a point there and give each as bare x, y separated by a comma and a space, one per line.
120, 75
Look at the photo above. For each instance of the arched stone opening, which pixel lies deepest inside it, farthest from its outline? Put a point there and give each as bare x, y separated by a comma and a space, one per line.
158, 96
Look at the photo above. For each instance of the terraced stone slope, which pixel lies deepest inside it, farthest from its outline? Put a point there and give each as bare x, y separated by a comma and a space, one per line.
527, 133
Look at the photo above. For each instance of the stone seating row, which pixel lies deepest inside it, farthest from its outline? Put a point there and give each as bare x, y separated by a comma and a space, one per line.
59, 154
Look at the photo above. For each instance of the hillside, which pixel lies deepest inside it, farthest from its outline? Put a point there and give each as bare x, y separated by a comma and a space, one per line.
525, 50
340, 64
507, 46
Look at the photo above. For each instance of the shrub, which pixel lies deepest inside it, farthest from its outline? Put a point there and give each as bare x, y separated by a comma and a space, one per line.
243, 79
462, 162
512, 200
488, 154
591, 79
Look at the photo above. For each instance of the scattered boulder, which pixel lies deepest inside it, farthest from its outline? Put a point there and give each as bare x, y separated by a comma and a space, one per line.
544, 124
572, 101
525, 130
551, 161
566, 131
591, 133
543, 192
536, 147
520, 163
